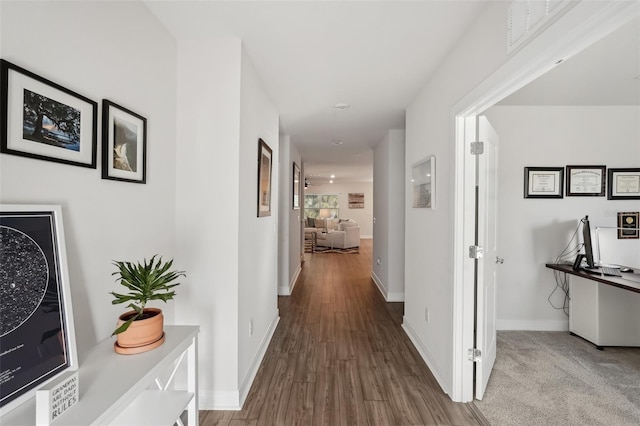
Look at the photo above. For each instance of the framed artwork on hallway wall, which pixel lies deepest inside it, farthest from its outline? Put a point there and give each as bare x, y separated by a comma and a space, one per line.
265, 162
297, 189
423, 184
124, 144
43, 120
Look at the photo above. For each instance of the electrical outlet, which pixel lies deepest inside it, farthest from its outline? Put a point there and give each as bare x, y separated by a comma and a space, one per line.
426, 314
251, 327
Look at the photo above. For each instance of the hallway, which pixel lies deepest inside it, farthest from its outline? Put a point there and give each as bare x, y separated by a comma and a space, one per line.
339, 356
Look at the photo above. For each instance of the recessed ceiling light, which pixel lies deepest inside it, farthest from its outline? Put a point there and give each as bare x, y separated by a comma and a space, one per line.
333, 176
336, 142
342, 106
330, 181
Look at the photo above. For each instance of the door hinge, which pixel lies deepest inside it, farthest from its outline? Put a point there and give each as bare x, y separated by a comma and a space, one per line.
474, 355
476, 252
477, 148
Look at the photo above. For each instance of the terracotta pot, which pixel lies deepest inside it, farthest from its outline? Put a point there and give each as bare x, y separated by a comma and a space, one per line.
141, 333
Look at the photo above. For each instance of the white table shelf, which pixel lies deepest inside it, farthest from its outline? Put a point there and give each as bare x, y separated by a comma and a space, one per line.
114, 388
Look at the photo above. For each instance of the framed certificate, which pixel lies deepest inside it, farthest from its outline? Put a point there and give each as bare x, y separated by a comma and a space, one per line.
624, 184
543, 182
586, 181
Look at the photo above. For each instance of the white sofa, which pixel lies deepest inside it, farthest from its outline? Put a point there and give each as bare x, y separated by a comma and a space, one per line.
346, 235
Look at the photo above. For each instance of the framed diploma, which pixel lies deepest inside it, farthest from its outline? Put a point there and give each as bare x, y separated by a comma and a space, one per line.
623, 184
543, 182
37, 340
628, 226
586, 181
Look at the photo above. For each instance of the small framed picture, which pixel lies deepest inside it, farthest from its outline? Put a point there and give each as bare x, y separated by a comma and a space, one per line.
543, 182
586, 181
356, 200
623, 184
124, 144
628, 226
423, 184
296, 187
43, 120
264, 178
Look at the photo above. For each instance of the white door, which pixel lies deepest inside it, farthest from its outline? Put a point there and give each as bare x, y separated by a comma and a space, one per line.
487, 267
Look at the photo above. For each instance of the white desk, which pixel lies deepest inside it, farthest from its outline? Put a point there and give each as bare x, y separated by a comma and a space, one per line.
604, 310
117, 389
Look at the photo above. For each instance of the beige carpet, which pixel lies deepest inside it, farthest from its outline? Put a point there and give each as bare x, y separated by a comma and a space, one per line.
553, 378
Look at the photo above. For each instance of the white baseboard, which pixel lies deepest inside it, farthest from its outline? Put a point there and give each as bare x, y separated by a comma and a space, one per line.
234, 399
366, 237
558, 325
287, 290
426, 356
388, 296
218, 400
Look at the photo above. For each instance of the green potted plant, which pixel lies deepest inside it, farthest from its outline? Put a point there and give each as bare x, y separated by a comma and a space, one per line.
142, 328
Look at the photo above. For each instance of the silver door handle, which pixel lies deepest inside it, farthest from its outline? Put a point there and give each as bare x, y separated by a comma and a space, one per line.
499, 260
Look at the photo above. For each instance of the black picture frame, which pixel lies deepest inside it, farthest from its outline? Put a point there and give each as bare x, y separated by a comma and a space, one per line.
124, 144
586, 181
43, 120
543, 182
297, 187
37, 331
265, 162
623, 184
628, 225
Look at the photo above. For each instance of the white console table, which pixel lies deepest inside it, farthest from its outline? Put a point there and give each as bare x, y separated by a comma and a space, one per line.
119, 389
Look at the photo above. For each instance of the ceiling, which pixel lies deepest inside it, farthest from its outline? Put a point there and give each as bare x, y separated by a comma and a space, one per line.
606, 73
311, 55
375, 56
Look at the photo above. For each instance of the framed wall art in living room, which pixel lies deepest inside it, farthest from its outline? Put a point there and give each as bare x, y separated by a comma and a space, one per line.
44, 120
37, 337
297, 187
264, 178
124, 144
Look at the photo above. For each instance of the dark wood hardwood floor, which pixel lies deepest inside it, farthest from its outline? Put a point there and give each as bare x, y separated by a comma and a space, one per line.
339, 356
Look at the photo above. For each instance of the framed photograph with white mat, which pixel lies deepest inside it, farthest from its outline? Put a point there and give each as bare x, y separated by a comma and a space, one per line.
44, 120
37, 338
423, 184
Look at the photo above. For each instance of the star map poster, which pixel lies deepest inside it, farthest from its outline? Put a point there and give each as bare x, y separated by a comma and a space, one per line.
36, 330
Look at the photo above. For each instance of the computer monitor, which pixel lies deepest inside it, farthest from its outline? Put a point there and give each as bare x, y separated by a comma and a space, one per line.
588, 244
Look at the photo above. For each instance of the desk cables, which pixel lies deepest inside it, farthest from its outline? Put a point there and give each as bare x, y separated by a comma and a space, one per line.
562, 282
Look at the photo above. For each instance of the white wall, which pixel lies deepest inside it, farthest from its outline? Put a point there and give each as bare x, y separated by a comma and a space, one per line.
258, 236
290, 249
534, 231
230, 253
76, 45
429, 233
208, 207
364, 217
388, 210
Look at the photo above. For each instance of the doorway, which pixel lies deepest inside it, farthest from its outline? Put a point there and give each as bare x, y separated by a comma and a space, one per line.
522, 68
